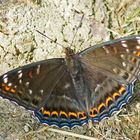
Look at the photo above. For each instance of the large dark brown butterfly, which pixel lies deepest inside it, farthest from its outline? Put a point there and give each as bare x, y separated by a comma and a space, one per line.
86, 86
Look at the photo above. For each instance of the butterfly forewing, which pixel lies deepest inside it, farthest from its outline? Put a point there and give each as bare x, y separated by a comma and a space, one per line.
28, 85
119, 59
110, 70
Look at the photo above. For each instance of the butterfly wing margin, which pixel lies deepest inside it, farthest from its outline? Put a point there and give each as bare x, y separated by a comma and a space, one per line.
110, 70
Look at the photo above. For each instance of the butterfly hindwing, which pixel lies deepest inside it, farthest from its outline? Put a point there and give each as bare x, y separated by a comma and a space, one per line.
62, 108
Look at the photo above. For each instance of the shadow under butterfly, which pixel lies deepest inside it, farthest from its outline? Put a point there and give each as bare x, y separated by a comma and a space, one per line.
86, 86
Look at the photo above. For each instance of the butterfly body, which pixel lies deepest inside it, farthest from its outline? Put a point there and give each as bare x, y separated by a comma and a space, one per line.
75, 70
86, 86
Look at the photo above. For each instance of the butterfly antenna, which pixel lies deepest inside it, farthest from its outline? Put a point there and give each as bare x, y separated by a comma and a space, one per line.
73, 36
51, 39
77, 29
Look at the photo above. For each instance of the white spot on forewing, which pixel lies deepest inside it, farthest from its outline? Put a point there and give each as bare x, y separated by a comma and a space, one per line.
122, 56
124, 64
115, 70
20, 75
124, 45
10, 84
20, 71
97, 87
41, 91
134, 52
138, 41
5, 80
20, 81
38, 69
27, 84
127, 50
66, 86
4, 76
123, 41
137, 47
137, 37
106, 50
30, 91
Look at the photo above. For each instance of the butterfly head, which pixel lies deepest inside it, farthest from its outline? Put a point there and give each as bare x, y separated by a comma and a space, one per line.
69, 52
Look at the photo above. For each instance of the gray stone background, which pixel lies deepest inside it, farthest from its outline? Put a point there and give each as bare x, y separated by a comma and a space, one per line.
21, 44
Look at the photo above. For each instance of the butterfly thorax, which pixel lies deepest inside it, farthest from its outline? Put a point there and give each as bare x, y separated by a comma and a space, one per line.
72, 61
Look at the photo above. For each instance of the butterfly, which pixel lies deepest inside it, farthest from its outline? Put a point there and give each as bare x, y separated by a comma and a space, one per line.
82, 87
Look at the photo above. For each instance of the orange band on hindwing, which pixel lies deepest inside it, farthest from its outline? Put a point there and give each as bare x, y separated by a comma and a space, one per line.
93, 112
